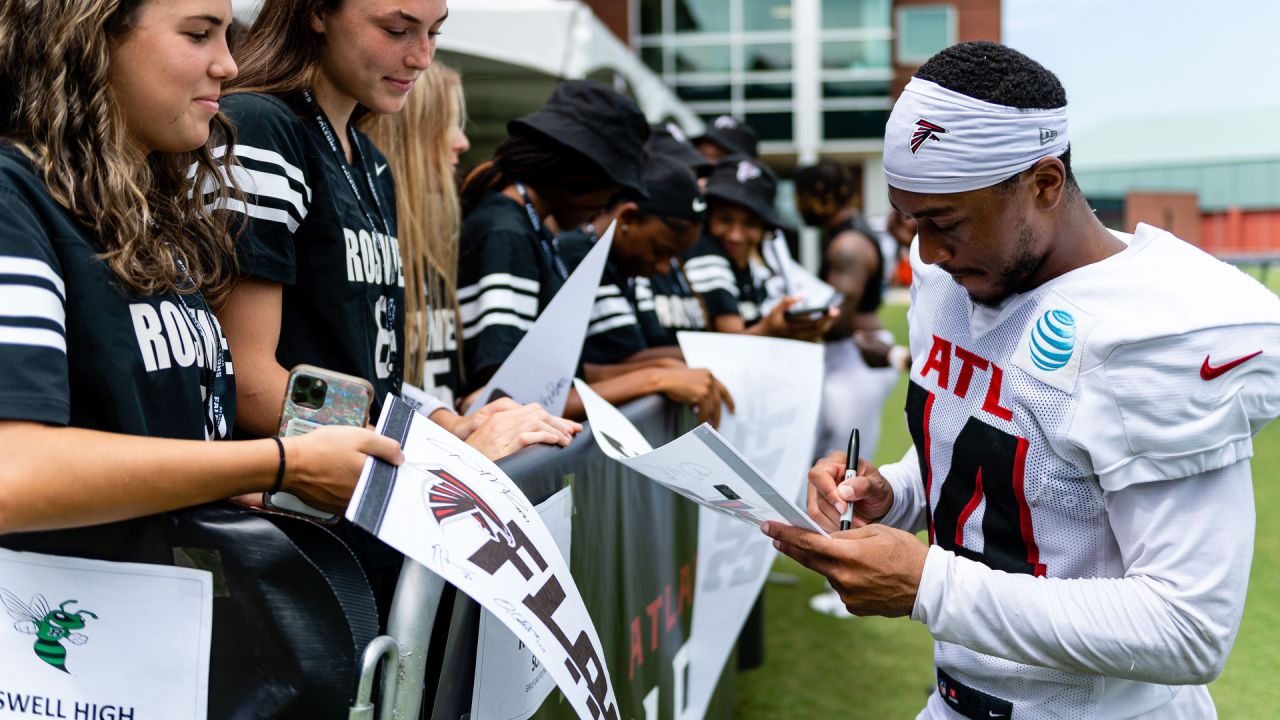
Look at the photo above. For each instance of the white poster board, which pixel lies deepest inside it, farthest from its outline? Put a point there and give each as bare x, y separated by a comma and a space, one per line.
775, 424
700, 465
455, 512
541, 367
511, 683
87, 638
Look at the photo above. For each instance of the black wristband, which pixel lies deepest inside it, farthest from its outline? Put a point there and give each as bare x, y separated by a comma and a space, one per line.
280, 471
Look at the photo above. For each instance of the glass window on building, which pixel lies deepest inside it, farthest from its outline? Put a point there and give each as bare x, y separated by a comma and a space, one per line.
774, 125
854, 123
766, 57
702, 16
855, 55
765, 15
650, 17
705, 92
855, 14
702, 59
924, 30
767, 91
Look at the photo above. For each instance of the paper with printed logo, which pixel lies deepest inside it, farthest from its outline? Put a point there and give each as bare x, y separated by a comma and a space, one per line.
94, 639
774, 423
700, 465
541, 368
455, 512
510, 682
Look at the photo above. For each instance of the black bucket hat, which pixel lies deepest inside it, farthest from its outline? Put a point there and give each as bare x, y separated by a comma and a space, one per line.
673, 190
747, 182
670, 141
733, 135
598, 122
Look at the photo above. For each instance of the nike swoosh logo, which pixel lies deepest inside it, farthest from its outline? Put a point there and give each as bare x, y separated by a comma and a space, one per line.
699, 205
378, 170
1209, 372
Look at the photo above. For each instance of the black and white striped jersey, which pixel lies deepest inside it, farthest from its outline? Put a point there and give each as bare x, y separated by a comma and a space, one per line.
726, 288
80, 349
305, 229
507, 273
665, 305
613, 332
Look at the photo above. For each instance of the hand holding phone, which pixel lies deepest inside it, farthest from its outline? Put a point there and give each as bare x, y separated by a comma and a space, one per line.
315, 397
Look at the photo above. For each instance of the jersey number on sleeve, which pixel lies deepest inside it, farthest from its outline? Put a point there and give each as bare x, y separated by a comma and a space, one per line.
986, 462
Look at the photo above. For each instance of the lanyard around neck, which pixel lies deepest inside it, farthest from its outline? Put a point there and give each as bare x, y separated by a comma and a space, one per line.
327, 128
551, 249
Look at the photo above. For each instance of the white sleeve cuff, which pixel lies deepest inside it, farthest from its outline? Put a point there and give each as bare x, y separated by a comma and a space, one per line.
908, 511
425, 403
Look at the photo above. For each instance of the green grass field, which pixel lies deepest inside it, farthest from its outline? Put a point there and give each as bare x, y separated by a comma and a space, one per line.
818, 666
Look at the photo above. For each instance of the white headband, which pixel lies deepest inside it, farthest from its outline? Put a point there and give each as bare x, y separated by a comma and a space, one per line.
940, 141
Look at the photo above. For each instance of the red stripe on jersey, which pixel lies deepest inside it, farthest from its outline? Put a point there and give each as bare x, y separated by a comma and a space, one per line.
1024, 510
928, 463
969, 508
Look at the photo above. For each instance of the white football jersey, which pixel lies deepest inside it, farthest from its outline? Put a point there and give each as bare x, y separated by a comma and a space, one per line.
1157, 363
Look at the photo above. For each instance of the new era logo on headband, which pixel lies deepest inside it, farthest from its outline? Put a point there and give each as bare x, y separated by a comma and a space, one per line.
748, 170
1047, 136
925, 130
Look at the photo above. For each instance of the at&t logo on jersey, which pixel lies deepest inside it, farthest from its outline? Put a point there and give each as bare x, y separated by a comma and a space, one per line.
1052, 346
1053, 340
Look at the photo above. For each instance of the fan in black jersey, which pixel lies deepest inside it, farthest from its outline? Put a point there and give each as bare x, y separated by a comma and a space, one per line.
725, 265
649, 234
563, 162
424, 142
117, 375
1082, 425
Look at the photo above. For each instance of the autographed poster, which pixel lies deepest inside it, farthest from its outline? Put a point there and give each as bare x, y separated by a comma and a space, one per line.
103, 640
774, 425
541, 367
700, 465
511, 683
451, 509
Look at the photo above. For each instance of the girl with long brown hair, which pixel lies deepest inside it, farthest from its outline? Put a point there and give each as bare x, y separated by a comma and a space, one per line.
322, 277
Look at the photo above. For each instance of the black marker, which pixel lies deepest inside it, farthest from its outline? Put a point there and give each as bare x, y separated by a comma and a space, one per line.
850, 472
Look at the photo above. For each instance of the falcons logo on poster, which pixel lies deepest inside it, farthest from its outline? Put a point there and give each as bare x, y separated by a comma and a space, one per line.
451, 498
925, 130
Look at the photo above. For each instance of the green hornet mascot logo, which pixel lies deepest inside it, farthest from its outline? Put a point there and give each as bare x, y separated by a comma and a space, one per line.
50, 627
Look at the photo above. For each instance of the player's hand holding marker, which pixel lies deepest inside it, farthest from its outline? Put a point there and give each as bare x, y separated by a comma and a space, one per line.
875, 569
830, 493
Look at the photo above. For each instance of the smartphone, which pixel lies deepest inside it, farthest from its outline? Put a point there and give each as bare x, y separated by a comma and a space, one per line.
800, 310
315, 397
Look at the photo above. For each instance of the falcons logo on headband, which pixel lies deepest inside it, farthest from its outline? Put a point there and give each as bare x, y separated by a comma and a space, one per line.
925, 130
451, 498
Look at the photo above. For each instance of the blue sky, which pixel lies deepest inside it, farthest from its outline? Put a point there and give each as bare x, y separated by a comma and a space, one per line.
1148, 58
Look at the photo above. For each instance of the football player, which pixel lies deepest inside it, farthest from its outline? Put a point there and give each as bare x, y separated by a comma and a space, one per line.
1083, 404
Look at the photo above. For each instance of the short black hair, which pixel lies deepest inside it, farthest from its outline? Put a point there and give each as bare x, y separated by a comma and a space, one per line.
998, 74
824, 189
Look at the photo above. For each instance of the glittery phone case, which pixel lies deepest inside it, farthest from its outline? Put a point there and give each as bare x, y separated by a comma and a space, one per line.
346, 402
